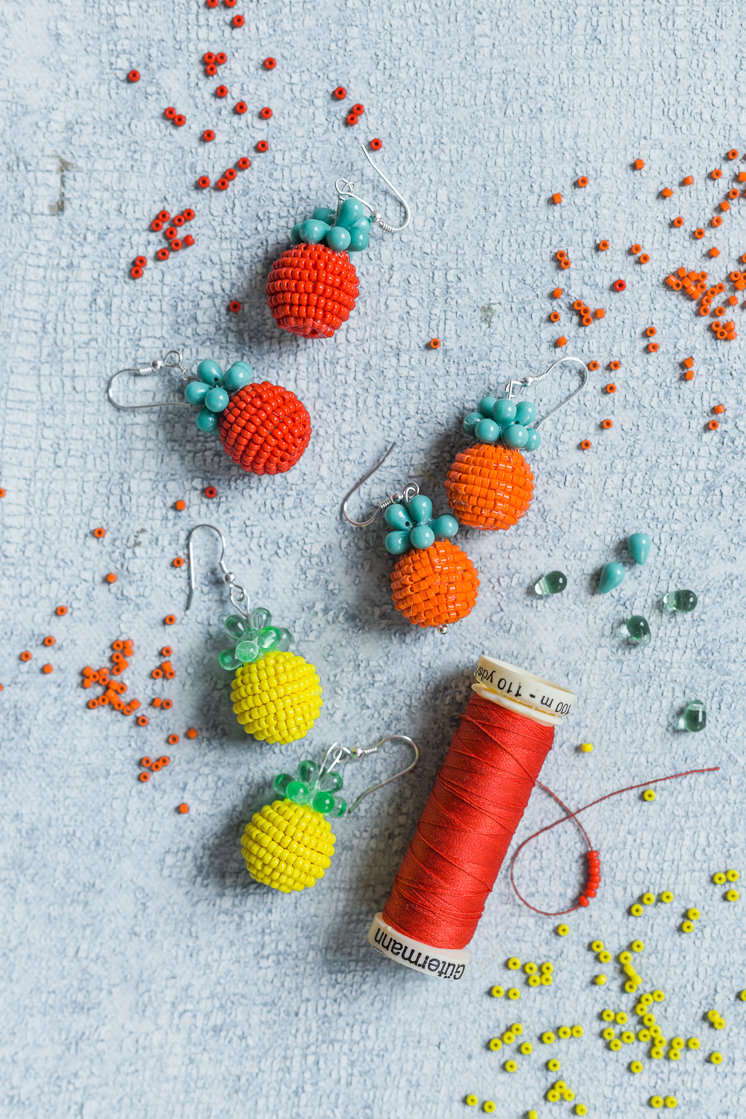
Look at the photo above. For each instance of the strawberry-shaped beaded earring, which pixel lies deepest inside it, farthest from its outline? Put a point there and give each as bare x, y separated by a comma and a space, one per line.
276, 694
264, 428
313, 286
490, 485
434, 583
289, 844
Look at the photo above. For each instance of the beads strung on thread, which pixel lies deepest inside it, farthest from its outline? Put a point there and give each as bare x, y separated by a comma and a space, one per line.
212, 390
495, 419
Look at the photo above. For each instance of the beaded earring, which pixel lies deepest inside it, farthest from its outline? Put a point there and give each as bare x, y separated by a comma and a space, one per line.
313, 286
276, 694
490, 485
435, 583
264, 428
288, 844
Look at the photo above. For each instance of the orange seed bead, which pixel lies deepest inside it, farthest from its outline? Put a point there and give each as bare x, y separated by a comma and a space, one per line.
48, 641
606, 424
688, 180
651, 332
603, 246
586, 445
173, 739
435, 343
666, 192
562, 341
719, 409
142, 720
713, 425
61, 611
111, 577
638, 165
25, 655
191, 733
183, 808
557, 293
583, 181
611, 388
556, 198
143, 777
169, 620
180, 505
99, 533
593, 366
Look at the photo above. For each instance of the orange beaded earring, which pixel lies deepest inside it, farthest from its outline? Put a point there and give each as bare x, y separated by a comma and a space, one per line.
490, 485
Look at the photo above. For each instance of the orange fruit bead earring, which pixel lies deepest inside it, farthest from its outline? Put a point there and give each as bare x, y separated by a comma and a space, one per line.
490, 485
434, 583
312, 288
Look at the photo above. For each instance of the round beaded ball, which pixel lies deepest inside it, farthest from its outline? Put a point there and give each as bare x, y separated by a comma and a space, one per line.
265, 428
287, 846
277, 698
311, 290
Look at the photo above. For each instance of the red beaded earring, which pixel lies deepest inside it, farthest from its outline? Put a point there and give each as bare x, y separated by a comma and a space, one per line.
264, 428
313, 286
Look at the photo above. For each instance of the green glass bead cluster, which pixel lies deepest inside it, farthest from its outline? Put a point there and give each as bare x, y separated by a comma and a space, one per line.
212, 390
312, 787
414, 525
345, 229
503, 419
254, 637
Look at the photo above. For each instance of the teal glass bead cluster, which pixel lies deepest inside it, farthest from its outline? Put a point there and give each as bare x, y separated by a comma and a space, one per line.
554, 582
503, 419
312, 787
612, 574
253, 636
346, 229
414, 526
212, 390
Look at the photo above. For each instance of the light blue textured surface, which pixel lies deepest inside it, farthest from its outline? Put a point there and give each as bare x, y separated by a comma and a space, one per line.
141, 973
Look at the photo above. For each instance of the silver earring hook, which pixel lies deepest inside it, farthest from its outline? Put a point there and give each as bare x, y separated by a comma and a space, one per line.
238, 595
347, 188
342, 754
410, 490
144, 371
513, 384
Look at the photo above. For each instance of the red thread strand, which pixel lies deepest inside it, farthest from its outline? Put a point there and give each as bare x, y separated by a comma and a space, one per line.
463, 835
573, 816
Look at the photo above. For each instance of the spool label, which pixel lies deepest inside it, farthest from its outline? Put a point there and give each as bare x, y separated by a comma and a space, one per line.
523, 687
438, 963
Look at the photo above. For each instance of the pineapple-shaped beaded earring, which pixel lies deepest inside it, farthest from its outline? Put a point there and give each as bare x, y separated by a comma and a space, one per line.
490, 485
276, 694
288, 844
434, 583
263, 427
313, 286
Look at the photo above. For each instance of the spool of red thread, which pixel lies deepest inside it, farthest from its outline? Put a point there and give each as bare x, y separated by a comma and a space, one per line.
479, 797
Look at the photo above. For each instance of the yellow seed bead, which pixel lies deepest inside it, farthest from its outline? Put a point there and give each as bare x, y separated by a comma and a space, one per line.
496, 1045
581, 1109
656, 1102
608, 1034
607, 1015
489, 1106
636, 910
732, 875
677, 1043
586, 747
742, 996
647, 899
648, 795
719, 1023
597, 946
719, 878
646, 1000
627, 1037
604, 957
656, 1053
640, 1009
510, 1066
514, 963
616, 1044
693, 914
656, 1031
508, 1038
553, 1065
693, 1043
562, 930
671, 1101
530, 969
546, 981
547, 1037
667, 896
687, 926
713, 1015
643, 1035
637, 946
527, 1048
568, 1095
534, 981
559, 1085
472, 1101
564, 1032
621, 1017
600, 980
497, 992
514, 993
577, 1031
553, 1095
716, 1058
674, 1054
532, 1114
732, 895
547, 968
516, 1029
658, 996
636, 1066
625, 957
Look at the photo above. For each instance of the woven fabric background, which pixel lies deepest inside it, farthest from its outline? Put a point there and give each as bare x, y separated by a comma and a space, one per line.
142, 973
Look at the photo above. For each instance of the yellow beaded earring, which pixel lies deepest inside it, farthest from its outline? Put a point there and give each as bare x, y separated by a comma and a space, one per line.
276, 694
289, 844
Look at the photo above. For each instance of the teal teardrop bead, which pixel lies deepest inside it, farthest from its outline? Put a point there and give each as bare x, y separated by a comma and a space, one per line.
638, 546
396, 543
308, 771
227, 661
359, 239
206, 420
324, 213
195, 392
515, 435
295, 234
323, 802
533, 441
420, 509
525, 413
260, 618
350, 212
445, 526
487, 431
210, 372
486, 406
503, 411
236, 627
471, 421
612, 574
239, 374
421, 537
312, 232
396, 516
217, 400
338, 239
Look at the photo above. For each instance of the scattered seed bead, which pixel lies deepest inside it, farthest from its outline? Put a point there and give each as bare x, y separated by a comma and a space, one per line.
221, 91
615, 1045
192, 733
577, 1031
262, 146
489, 1106
636, 1066
142, 720
643, 1035
603, 246
562, 930
648, 795
547, 968
553, 1065
732, 895
496, 992
581, 1109
183, 808
111, 577
637, 946
656, 1053
732, 875
496, 1044
586, 747
608, 1034
556, 198
203, 182
667, 896
510, 1066
607, 1015
564, 1032
530, 969
716, 1058
238, 21
376, 145
600, 980
553, 1096
585, 445
693, 914
514, 963
636, 910
604, 957
527, 1048
647, 899
514, 993
547, 1037
649, 1021
693, 1043
593, 366
508, 1037
208, 135
597, 946
658, 996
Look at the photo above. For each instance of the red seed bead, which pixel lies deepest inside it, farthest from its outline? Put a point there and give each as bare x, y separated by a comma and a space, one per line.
212, 3
262, 146
619, 285
136, 273
270, 63
189, 215
210, 492
243, 163
340, 93
358, 109
208, 135
230, 3
188, 241
211, 70
376, 145
170, 233
221, 91
162, 254
265, 113
208, 57
175, 245
222, 184
133, 76
179, 220
169, 113
221, 58
234, 306
156, 225
230, 174
351, 119
203, 182
238, 21
179, 120
583, 900
240, 107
